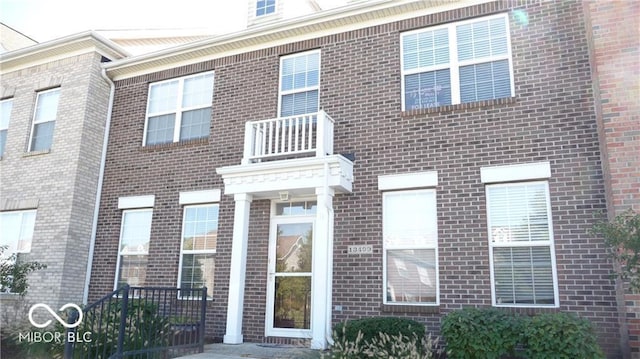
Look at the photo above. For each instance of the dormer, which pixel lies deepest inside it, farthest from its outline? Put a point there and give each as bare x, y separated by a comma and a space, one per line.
266, 11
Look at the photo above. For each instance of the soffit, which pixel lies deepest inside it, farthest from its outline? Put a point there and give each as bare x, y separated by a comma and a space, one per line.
58, 49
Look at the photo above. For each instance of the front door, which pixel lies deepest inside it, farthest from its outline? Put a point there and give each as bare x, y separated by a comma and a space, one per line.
289, 296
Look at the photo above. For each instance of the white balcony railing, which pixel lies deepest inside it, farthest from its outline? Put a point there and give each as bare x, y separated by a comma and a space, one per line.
286, 136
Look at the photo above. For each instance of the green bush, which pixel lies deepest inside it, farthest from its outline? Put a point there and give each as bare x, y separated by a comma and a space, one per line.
560, 335
357, 335
484, 333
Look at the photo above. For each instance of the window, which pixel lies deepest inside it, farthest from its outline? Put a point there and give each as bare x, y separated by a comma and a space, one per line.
522, 255
265, 7
44, 120
134, 247
456, 63
199, 239
299, 84
410, 238
179, 109
5, 116
16, 231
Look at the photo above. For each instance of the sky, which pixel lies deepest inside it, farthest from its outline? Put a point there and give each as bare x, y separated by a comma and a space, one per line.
44, 20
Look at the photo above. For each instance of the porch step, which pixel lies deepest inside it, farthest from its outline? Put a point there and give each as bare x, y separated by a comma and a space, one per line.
255, 351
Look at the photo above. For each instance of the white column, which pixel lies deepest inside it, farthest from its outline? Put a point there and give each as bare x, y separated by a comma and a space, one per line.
235, 304
322, 269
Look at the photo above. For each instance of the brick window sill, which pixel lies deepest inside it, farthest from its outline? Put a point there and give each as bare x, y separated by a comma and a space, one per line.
386, 308
164, 146
35, 153
462, 106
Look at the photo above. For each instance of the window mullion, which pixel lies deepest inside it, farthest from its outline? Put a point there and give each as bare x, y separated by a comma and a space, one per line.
178, 123
454, 65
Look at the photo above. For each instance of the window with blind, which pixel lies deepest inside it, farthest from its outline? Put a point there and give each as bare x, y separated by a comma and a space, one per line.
456, 63
299, 84
410, 241
179, 109
522, 255
5, 116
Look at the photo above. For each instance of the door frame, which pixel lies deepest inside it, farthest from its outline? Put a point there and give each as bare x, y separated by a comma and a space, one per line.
274, 221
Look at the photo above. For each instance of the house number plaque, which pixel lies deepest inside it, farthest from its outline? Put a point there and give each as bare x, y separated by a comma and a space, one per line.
362, 249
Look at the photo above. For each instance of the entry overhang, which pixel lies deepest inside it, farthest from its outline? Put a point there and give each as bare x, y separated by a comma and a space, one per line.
299, 176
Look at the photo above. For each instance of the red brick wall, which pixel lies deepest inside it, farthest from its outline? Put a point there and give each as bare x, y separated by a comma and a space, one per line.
551, 118
613, 29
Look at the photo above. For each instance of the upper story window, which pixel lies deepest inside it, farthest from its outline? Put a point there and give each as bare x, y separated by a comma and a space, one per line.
44, 120
299, 83
5, 117
457, 63
179, 109
265, 7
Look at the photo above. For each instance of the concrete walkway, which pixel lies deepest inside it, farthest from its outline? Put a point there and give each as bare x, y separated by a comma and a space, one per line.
255, 351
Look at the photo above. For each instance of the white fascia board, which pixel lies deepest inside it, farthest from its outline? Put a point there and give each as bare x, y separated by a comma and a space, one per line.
408, 180
195, 197
517, 172
136, 202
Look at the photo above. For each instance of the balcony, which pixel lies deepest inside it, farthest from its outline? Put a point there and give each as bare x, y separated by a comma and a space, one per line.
292, 154
288, 137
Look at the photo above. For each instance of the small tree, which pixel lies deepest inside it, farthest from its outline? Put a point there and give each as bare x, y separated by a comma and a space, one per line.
622, 235
13, 273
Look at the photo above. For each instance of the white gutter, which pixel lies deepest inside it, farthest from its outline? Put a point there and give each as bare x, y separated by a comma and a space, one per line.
96, 210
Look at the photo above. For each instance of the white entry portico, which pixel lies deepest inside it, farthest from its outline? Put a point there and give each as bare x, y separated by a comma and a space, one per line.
267, 171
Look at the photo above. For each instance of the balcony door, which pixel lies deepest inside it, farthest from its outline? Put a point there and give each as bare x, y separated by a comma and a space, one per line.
289, 296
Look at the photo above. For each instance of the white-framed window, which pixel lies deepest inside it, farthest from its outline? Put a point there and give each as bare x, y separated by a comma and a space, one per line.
5, 117
457, 63
198, 248
179, 109
265, 7
410, 247
133, 251
521, 249
44, 120
299, 84
16, 231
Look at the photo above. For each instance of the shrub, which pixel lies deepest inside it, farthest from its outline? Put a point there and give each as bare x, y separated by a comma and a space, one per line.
560, 335
352, 338
480, 333
383, 346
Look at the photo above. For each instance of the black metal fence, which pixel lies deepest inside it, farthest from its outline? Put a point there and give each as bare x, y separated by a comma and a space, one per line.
140, 322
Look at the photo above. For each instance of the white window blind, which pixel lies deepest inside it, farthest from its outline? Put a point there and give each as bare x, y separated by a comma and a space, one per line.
521, 244
299, 84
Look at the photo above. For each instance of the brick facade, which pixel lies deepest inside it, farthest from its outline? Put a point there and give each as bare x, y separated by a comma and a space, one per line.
551, 118
614, 42
60, 184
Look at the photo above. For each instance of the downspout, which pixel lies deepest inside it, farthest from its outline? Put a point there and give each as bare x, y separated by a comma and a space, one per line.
96, 210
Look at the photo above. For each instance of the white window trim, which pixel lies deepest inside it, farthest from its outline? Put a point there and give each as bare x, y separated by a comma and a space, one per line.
550, 243
195, 197
136, 202
516, 172
115, 280
299, 90
408, 180
35, 111
385, 248
178, 109
454, 65
192, 251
